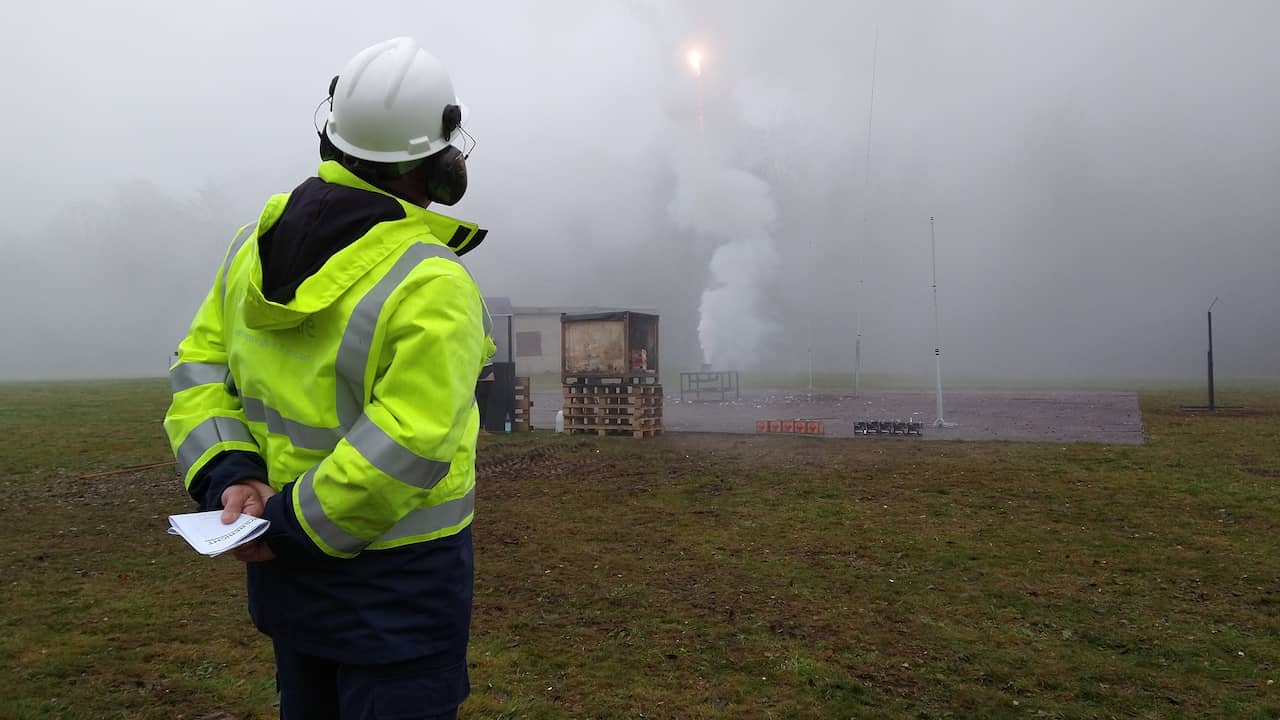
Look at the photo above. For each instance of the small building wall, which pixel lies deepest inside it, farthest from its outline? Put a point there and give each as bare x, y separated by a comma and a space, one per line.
537, 337
538, 351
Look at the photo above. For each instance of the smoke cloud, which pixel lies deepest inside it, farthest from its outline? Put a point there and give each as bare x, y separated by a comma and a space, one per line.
1099, 171
736, 211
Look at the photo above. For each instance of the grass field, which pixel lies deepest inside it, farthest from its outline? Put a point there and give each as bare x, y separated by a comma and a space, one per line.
702, 576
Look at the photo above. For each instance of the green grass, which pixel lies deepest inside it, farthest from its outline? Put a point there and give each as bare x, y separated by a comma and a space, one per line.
81, 426
702, 576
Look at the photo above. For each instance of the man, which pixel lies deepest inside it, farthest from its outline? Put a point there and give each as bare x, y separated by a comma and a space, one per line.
327, 384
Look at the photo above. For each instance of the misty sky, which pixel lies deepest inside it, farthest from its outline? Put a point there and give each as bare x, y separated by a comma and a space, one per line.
1099, 171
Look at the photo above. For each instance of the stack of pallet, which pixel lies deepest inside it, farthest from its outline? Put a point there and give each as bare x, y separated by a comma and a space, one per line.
610, 374
614, 409
524, 405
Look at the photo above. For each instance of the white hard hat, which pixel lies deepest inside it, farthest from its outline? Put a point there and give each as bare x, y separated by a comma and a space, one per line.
389, 104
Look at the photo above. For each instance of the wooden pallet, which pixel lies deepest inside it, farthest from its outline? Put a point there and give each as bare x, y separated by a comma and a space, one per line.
622, 427
588, 421
522, 420
614, 401
613, 390
609, 381
587, 411
632, 410
617, 409
615, 432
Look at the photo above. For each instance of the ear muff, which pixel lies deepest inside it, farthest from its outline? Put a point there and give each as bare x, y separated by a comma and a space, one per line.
450, 121
328, 151
446, 171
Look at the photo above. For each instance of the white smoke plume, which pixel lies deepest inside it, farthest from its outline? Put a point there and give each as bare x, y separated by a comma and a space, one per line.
735, 210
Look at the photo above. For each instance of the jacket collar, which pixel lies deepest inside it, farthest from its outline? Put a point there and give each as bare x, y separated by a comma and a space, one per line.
459, 235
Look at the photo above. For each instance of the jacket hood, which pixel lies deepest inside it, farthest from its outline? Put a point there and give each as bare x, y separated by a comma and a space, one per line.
313, 244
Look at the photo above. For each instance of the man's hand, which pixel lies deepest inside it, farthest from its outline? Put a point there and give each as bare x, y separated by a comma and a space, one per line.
248, 497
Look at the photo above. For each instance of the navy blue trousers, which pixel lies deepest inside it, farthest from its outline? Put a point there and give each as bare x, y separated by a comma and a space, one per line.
313, 688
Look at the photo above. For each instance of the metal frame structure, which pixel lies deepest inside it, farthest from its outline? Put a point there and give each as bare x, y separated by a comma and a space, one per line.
722, 382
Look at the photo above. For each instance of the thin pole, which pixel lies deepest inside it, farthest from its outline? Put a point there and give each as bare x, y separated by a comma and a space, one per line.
813, 258
811, 343
866, 214
1212, 405
937, 325
812, 310
857, 344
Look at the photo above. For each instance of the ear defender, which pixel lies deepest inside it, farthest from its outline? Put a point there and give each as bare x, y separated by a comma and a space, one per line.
327, 149
449, 122
447, 170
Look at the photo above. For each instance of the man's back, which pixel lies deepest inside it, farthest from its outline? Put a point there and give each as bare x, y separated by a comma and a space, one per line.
327, 383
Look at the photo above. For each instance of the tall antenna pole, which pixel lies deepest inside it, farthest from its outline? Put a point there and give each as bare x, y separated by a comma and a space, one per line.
857, 344
937, 326
866, 213
812, 309
1212, 405
814, 259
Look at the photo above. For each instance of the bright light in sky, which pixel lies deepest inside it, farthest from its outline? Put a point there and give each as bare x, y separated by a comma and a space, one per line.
695, 61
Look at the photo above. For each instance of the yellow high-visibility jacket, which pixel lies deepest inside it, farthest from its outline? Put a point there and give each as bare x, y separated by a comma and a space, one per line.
358, 393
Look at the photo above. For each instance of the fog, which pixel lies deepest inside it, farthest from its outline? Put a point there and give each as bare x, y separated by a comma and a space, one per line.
1099, 171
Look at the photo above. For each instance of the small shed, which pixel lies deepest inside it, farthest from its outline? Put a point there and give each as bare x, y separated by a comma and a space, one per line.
538, 333
609, 346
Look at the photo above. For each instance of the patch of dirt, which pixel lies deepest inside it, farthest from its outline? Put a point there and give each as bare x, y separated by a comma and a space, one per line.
539, 462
